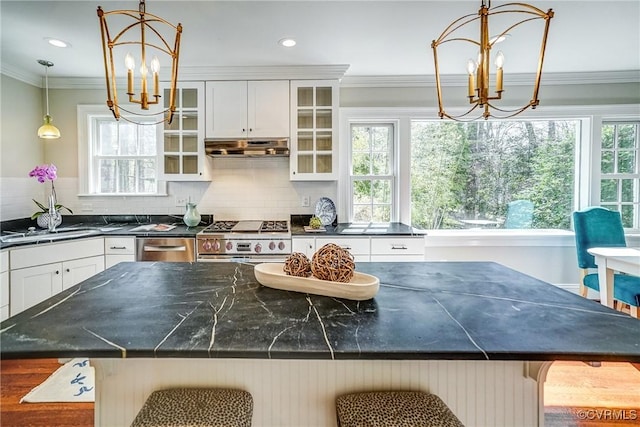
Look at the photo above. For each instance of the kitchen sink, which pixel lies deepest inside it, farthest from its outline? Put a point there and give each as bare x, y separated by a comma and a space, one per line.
45, 236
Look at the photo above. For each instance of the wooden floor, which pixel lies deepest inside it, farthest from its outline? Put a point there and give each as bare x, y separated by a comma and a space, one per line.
573, 391
17, 378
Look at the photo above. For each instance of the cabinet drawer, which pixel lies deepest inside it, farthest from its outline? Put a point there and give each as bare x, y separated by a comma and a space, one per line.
56, 252
354, 245
119, 246
397, 246
4, 261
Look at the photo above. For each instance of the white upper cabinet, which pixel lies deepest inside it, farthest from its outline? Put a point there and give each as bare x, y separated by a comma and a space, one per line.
247, 109
182, 148
314, 130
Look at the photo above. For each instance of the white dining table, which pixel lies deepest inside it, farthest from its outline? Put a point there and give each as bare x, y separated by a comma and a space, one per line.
610, 260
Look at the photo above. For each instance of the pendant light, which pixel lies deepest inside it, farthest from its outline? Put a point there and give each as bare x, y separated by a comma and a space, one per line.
479, 93
47, 130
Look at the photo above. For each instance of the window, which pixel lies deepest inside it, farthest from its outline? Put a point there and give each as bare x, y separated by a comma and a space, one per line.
620, 170
493, 174
121, 157
372, 172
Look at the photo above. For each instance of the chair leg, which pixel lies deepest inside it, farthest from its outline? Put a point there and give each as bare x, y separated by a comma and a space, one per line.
583, 290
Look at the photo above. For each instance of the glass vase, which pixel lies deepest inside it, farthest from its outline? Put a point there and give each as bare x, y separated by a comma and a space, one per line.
192, 216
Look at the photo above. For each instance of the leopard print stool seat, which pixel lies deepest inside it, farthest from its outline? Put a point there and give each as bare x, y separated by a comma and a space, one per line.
394, 409
196, 407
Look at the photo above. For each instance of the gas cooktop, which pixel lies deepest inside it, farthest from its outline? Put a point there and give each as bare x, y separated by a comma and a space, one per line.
246, 226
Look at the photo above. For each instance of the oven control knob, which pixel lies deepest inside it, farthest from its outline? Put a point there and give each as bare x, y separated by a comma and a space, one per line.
216, 246
258, 248
229, 246
281, 245
206, 245
272, 245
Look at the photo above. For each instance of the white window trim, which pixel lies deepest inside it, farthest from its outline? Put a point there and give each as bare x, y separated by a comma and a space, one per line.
587, 164
395, 165
85, 113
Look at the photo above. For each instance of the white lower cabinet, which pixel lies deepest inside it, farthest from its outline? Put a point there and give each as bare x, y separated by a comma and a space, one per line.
364, 249
304, 245
119, 249
4, 285
397, 249
358, 246
41, 271
30, 286
77, 270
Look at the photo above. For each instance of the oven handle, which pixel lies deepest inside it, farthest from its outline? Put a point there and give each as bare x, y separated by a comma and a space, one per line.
164, 248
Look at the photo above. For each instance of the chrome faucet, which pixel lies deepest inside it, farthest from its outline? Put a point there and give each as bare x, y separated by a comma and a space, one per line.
54, 215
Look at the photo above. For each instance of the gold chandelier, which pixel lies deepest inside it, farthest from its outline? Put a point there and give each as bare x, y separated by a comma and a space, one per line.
479, 91
149, 32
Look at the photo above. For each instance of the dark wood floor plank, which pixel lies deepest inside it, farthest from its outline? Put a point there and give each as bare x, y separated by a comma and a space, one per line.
17, 378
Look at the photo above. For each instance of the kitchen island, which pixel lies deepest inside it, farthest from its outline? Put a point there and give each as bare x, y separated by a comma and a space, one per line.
477, 334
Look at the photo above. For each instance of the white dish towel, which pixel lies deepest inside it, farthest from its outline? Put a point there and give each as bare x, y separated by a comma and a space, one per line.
72, 382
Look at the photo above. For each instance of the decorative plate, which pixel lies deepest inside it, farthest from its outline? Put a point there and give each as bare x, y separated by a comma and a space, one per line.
361, 287
326, 210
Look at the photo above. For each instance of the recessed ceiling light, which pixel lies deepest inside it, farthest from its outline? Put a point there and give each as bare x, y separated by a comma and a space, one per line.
287, 42
57, 42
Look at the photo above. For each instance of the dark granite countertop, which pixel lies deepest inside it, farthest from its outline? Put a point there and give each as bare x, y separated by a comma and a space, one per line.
114, 225
348, 229
423, 310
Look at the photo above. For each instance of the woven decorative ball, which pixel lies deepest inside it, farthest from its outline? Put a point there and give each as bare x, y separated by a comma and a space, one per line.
331, 262
297, 264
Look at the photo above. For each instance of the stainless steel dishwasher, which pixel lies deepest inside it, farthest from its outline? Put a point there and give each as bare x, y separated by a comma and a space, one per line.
173, 249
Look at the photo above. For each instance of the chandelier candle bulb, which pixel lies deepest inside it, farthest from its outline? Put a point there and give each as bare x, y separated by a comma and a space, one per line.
155, 68
471, 68
130, 64
499, 64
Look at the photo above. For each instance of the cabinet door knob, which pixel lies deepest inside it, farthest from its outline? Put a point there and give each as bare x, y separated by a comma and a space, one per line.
57, 271
67, 270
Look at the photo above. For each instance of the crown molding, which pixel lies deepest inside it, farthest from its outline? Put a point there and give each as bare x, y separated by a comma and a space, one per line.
548, 79
292, 72
329, 72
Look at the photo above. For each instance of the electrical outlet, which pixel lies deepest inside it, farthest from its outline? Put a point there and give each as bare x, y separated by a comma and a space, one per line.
306, 201
182, 201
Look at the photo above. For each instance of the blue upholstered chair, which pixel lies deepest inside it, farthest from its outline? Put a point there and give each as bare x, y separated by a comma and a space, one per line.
600, 227
519, 214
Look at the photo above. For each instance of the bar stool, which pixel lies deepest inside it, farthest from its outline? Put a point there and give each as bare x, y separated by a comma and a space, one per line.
196, 407
394, 409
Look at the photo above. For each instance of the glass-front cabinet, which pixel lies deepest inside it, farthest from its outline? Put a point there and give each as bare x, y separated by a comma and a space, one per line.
314, 130
182, 154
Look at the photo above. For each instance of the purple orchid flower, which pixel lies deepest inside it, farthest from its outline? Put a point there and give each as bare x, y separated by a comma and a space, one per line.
45, 172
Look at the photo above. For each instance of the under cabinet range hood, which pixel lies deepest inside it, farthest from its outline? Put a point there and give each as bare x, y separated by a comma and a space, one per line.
247, 147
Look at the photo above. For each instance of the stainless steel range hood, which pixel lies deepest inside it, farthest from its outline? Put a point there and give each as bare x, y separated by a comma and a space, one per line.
247, 147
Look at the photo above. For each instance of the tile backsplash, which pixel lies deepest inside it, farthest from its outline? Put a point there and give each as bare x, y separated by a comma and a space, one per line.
240, 188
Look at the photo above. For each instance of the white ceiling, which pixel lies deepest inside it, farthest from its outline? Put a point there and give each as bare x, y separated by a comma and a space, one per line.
373, 38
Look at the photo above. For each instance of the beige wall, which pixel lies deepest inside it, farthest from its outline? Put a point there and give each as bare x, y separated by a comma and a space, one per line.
596, 94
22, 110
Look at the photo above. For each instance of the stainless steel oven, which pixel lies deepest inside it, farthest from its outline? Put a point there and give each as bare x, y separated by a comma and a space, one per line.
244, 241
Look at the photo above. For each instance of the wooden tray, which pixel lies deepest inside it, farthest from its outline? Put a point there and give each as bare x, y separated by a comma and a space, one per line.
361, 287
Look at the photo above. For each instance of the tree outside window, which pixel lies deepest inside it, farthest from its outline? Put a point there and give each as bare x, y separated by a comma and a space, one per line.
372, 172
124, 157
620, 171
466, 175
